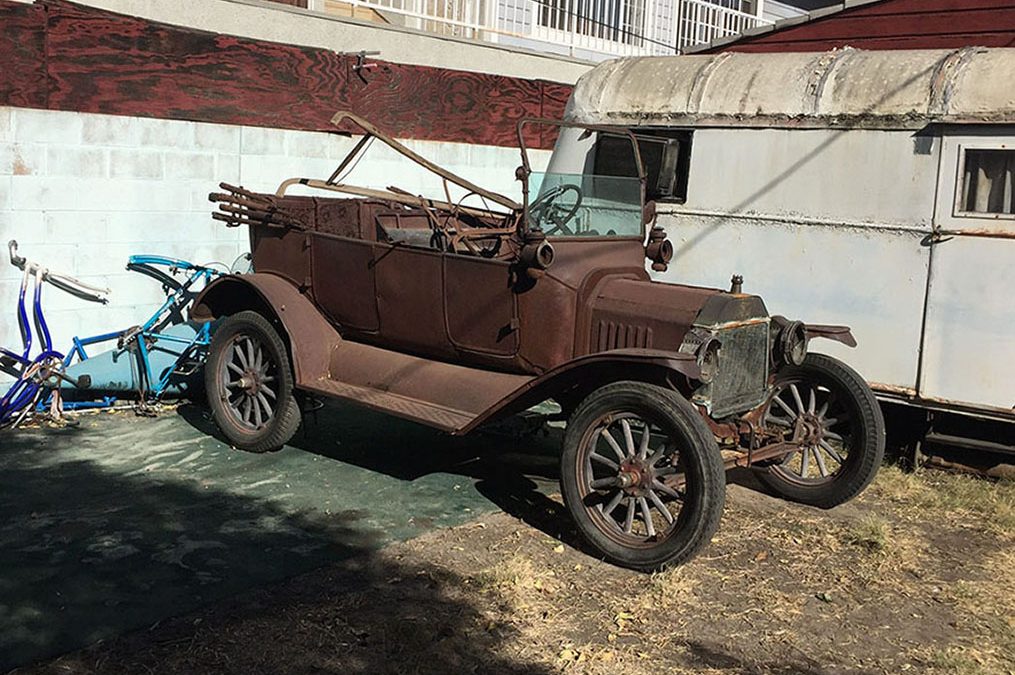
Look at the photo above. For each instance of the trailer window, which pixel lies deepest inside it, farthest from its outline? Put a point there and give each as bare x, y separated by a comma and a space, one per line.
665, 156
988, 182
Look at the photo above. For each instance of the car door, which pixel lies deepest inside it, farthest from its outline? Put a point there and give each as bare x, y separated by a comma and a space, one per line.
481, 306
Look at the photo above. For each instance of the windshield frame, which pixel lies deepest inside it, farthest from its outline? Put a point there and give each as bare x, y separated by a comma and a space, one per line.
525, 170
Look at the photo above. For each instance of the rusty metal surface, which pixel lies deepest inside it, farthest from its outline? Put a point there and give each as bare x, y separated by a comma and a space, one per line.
311, 337
346, 116
841, 334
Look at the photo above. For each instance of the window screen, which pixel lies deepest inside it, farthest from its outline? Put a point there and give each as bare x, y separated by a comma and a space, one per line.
988, 182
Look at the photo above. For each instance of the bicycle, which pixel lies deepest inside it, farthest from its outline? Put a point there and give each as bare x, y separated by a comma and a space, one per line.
164, 346
33, 374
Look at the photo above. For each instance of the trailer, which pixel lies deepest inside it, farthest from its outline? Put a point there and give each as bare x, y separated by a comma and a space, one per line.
873, 189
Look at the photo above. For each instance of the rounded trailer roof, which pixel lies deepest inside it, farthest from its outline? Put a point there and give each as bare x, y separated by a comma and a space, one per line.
841, 88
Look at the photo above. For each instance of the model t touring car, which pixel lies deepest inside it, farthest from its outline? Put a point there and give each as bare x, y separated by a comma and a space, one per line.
460, 311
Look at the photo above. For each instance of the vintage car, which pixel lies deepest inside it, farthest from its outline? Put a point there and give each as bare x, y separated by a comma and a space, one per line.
455, 316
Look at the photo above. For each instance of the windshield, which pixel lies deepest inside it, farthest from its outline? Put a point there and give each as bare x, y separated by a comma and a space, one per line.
583, 205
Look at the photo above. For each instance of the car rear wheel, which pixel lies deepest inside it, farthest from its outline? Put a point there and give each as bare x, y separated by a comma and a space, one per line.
642, 476
250, 384
827, 409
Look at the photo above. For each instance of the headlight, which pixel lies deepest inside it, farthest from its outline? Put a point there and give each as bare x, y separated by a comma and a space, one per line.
791, 343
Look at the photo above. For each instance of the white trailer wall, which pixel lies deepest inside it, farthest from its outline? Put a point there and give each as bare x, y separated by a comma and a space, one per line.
826, 225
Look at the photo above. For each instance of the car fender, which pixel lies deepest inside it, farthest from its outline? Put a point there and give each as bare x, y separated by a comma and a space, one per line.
590, 372
310, 337
841, 334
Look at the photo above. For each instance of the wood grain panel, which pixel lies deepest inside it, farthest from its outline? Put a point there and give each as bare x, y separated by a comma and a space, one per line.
64, 56
107, 63
22, 55
446, 105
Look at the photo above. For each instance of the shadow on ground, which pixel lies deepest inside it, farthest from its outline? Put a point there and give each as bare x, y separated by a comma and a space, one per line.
93, 545
514, 466
100, 538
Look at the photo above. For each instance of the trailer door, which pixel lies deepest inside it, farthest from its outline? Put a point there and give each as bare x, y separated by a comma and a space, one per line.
969, 332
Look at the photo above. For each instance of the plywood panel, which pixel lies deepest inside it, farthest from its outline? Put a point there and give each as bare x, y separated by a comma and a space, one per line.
22, 55
63, 56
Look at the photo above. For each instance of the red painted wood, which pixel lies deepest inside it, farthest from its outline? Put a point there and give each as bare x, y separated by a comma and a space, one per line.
70, 57
22, 55
911, 42
445, 105
107, 63
896, 24
931, 6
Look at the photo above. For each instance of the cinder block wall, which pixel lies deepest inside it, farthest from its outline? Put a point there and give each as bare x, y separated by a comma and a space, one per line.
81, 192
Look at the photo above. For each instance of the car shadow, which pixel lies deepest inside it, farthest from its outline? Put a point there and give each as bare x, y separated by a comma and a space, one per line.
512, 465
516, 471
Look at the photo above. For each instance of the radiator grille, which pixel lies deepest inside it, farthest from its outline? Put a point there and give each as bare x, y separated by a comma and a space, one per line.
616, 335
740, 383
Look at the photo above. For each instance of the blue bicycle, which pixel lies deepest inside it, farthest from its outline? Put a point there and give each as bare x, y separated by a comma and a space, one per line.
150, 359
34, 374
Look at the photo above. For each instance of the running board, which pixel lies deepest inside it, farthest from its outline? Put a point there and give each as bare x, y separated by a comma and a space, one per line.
442, 395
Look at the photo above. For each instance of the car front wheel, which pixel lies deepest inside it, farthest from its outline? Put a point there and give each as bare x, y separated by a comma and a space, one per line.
827, 410
642, 476
250, 385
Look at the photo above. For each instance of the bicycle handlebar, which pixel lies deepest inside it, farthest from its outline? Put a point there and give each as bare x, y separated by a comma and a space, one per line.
16, 260
64, 282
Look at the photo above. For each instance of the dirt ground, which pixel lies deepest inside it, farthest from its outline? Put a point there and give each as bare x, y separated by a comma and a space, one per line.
917, 575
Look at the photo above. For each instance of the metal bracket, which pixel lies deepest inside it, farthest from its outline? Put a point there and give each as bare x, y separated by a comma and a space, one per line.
934, 238
361, 64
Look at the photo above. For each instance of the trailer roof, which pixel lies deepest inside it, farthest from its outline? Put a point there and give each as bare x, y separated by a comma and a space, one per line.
840, 88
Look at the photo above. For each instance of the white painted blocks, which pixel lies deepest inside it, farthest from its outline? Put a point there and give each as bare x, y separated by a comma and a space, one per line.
76, 161
261, 141
6, 132
22, 159
109, 130
217, 137
97, 194
5, 192
190, 165
46, 126
135, 163
157, 133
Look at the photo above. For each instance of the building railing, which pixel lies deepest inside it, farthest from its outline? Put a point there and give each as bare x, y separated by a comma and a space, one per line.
594, 29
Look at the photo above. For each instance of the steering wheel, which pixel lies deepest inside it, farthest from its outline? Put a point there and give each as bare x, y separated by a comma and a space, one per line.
544, 208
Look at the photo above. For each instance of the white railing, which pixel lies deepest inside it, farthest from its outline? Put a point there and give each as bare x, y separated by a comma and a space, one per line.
595, 29
700, 22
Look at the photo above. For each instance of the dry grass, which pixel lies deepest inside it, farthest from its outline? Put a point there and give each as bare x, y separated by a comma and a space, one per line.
958, 498
917, 575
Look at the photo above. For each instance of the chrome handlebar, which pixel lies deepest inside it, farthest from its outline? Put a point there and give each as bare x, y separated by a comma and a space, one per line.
65, 283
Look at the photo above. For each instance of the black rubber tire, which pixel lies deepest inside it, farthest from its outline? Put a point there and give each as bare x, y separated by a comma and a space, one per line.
703, 509
283, 425
865, 456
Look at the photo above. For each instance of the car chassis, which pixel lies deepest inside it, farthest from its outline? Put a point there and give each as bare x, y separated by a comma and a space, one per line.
457, 316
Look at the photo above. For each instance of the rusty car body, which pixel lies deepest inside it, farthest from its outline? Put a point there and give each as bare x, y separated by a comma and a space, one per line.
455, 315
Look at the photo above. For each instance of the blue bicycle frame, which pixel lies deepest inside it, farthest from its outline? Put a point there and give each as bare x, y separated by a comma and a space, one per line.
152, 381
31, 373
